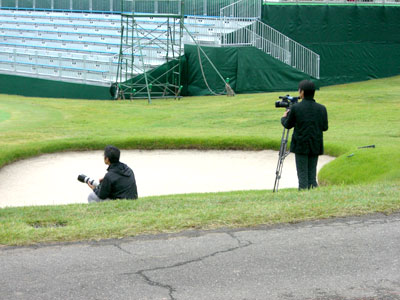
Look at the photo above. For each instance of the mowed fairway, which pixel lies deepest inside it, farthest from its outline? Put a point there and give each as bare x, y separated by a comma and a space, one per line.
359, 181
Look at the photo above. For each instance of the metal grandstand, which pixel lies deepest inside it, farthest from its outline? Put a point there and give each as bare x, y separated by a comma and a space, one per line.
355, 2
81, 40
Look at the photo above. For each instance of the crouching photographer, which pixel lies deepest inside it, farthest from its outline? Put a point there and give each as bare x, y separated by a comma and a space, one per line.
118, 183
309, 120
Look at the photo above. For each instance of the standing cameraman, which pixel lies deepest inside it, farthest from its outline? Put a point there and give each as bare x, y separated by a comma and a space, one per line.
118, 183
309, 120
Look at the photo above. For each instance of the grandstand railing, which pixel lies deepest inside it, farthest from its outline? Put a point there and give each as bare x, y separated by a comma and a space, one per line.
264, 37
191, 7
276, 44
242, 10
381, 2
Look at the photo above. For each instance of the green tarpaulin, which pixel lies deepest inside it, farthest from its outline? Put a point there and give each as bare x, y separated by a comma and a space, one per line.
355, 42
249, 71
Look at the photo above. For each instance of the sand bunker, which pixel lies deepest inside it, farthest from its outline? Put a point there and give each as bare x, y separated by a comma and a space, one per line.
52, 179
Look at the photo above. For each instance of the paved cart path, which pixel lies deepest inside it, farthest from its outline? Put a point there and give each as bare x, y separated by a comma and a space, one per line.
351, 258
52, 179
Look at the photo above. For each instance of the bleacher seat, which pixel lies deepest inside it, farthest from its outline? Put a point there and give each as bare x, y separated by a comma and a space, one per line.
84, 47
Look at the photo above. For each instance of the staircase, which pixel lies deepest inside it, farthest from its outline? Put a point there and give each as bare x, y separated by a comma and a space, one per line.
275, 44
239, 25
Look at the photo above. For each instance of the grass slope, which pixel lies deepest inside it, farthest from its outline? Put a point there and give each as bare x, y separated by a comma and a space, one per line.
360, 114
118, 219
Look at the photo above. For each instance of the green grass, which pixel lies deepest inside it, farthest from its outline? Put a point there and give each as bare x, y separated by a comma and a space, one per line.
360, 114
117, 219
4, 116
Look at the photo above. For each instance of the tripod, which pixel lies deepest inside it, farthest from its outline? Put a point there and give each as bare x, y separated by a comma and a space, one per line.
283, 152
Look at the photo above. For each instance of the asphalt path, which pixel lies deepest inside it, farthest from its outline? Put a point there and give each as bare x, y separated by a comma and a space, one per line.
349, 258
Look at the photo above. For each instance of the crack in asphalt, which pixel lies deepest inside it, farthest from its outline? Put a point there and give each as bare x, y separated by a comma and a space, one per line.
382, 292
171, 289
118, 246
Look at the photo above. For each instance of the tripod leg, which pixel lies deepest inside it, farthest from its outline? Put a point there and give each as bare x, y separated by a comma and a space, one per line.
283, 152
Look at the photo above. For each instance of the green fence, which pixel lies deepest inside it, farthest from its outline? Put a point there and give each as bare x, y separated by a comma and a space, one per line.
249, 71
355, 43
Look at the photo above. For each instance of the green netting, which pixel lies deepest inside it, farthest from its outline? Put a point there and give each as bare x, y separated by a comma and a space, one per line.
35, 87
355, 43
81, 5
8, 3
25, 3
224, 59
249, 71
45, 4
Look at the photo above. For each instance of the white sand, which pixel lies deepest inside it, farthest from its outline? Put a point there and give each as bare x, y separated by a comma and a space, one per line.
52, 179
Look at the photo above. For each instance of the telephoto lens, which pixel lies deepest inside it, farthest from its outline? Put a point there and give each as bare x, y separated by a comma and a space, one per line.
86, 179
81, 178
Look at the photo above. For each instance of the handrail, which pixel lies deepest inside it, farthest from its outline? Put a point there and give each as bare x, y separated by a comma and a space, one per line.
242, 9
276, 44
301, 58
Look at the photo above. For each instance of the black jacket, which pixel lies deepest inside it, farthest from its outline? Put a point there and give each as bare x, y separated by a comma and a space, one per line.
118, 183
309, 120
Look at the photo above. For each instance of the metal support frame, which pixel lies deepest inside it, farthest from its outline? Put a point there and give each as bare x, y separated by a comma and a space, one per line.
140, 50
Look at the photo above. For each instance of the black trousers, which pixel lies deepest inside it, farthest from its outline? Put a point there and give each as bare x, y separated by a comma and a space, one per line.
306, 165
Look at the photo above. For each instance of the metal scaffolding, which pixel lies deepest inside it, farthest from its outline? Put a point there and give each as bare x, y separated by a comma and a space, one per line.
149, 64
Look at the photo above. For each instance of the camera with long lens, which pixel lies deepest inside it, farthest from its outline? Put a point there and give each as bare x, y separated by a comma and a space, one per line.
287, 101
87, 179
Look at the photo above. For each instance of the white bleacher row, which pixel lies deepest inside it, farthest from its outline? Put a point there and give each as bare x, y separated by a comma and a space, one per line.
78, 51
204, 29
62, 35
104, 24
63, 73
149, 46
71, 17
77, 47
78, 75
203, 35
76, 19
100, 61
200, 25
74, 36
57, 58
61, 27
61, 44
112, 20
104, 58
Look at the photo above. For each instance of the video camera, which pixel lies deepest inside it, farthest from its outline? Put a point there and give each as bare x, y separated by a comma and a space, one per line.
287, 101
